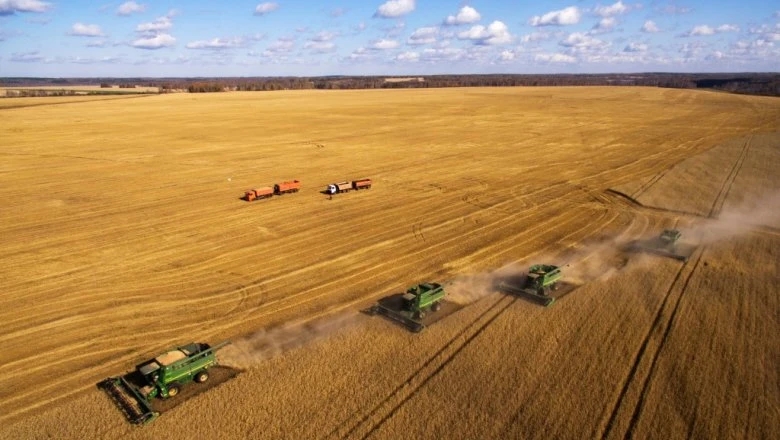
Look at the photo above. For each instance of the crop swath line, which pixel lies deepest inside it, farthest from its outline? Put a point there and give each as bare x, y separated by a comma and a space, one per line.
409, 388
725, 189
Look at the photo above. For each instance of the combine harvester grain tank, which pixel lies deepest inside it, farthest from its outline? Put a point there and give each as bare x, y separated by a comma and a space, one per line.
160, 377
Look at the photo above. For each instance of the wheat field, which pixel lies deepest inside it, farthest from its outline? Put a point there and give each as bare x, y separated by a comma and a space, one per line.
123, 234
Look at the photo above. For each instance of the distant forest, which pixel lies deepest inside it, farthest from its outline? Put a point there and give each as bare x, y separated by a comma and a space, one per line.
746, 83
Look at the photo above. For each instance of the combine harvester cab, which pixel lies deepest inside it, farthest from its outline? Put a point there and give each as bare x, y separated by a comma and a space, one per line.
667, 245
161, 377
539, 282
411, 308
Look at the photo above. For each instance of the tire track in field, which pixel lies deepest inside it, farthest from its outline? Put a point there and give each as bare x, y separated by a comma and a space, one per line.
717, 206
667, 330
647, 185
643, 351
433, 366
387, 407
725, 189
309, 299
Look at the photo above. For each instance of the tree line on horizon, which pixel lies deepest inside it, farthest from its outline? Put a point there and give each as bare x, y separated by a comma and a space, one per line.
745, 83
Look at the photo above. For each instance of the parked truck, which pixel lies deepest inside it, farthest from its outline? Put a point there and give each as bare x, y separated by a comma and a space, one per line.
161, 377
340, 187
258, 193
348, 185
286, 187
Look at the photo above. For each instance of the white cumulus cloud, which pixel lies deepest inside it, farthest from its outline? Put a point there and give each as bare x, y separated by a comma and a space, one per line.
423, 35
408, 57
727, 28
701, 30
158, 25
582, 41
606, 24
131, 7
612, 10
395, 8
264, 8
650, 27
554, 58
635, 47
156, 42
506, 55
281, 45
384, 44
86, 30
8, 7
323, 36
495, 33
27, 57
216, 43
466, 15
320, 46
566, 16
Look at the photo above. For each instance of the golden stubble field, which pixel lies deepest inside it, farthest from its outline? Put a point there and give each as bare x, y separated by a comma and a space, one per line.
122, 234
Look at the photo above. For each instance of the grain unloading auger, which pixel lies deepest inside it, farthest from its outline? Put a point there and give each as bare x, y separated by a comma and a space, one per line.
161, 377
411, 308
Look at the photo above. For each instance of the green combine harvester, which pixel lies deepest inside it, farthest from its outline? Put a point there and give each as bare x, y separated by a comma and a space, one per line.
540, 280
666, 244
160, 377
411, 308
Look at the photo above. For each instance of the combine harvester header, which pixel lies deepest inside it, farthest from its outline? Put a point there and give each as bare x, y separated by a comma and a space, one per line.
160, 377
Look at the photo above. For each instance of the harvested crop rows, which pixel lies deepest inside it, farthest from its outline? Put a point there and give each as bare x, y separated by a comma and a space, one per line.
127, 236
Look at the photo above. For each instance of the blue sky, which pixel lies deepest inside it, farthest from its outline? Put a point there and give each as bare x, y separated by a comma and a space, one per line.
384, 37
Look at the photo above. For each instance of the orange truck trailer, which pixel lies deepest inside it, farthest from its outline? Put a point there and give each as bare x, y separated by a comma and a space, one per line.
258, 193
290, 186
361, 184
